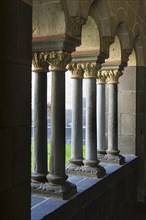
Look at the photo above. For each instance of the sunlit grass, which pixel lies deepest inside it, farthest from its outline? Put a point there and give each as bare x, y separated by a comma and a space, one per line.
67, 157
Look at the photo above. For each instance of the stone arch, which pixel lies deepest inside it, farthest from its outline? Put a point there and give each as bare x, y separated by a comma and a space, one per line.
115, 53
120, 15
126, 41
139, 45
76, 13
140, 51
99, 13
90, 42
132, 59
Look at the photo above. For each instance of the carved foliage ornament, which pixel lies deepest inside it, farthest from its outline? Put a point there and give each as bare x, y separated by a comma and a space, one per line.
91, 70
113, 76
101, 77
39, 62
58, 60
76, 70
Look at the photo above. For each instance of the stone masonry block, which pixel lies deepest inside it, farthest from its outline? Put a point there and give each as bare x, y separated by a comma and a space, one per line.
128, 124
15, 90
127, 144
22, 155
128, 80
127, 102
6, 158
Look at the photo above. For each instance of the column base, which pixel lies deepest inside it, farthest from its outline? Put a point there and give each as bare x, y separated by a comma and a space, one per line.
97, 171
38, 177
63, 191
101, 155
115, 159
74, 165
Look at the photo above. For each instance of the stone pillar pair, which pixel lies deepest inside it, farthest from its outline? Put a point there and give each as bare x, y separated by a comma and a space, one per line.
90, 165
53, 182
111, 155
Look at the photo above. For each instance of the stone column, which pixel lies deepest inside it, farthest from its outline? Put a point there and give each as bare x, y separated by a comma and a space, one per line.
40, 67
76, 135
57, 184
101, 144
113, 155
91, 164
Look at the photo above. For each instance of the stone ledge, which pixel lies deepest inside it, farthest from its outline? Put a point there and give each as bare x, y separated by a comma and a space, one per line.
89, 190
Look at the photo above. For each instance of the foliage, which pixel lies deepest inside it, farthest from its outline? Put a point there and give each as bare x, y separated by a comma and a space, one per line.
67, 157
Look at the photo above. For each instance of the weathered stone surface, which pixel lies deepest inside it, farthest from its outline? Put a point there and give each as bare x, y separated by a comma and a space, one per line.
43, 15
127, 102
128, 80
127, 144
128, 123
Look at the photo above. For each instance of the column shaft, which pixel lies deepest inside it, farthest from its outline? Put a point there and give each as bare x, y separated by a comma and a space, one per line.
40, 127
113, 155
91, 143
101, 145
57, 154
76, 135
112, 120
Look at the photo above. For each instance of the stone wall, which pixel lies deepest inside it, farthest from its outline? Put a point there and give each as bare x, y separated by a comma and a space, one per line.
15, 100
127, 111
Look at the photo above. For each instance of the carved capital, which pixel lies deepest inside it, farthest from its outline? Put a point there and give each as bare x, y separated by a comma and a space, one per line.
75, 25
91, 70
101, 77
58, 60
76, 70
113, 76
39, 62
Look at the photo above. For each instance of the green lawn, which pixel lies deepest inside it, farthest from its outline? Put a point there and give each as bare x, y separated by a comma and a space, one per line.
68, 154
